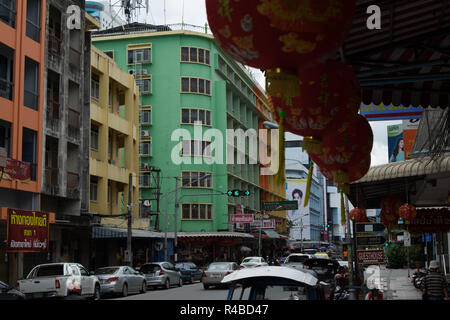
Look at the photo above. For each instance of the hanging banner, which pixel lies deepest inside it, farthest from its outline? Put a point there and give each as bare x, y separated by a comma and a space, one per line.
395, 143
16, 170
410, 128
27, 231
389, 112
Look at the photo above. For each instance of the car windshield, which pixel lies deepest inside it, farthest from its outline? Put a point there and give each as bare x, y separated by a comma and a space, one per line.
297, 259
109, 270
150, 268
51, 270
218, 266
250, 260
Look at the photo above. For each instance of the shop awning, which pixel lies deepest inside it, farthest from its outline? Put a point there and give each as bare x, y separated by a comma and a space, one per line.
406, 61
424, 180
269, 234
109, 232
224, 234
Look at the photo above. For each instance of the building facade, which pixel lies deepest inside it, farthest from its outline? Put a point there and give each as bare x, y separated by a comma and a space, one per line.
191, 93
104, 13
22, 60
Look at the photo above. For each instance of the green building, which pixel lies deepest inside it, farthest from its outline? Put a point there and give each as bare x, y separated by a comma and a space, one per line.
185, 77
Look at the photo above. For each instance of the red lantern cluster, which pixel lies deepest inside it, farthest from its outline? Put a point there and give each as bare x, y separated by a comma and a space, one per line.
358, 215
278, 33
407, 212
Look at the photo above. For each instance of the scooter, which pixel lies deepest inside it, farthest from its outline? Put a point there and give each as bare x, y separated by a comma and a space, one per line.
340, 294
417, 278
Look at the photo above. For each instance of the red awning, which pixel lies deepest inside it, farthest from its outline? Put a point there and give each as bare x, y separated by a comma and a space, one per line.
407, 61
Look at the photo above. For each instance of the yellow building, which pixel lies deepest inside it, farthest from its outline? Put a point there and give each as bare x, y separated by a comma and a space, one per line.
114, 139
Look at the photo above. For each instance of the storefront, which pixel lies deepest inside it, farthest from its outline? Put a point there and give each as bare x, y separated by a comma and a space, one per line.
203, 248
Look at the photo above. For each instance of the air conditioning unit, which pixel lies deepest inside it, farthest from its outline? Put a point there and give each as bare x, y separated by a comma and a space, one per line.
131, 71
147, 203
145, 166
145, 133
144, 71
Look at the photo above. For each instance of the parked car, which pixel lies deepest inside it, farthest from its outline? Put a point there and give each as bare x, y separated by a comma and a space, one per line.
59, 280
216, 272
161, 274
189, 271
295, 260
120, 280
8, 292
251, 262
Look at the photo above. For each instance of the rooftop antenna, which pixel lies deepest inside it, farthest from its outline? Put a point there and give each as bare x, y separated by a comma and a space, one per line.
131, 8
165, 13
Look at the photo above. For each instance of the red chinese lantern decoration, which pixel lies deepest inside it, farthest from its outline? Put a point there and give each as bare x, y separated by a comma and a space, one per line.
389, 210
277, 33
407, 212
358, 215
313, 99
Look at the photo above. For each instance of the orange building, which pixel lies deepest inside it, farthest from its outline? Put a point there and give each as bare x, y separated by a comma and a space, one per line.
22, 53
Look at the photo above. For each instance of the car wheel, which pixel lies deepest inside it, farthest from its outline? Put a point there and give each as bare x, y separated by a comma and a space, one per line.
191, 280
97, 294
167, 284
180, 282
125, 290
205, 286
144, 287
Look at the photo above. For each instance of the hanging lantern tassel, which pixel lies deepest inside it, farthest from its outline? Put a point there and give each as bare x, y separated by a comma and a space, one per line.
283, 83
280, 174
308, 183
343, 220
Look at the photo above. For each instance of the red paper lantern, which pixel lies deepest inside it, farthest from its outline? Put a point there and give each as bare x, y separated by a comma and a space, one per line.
389, 210
315, 97
358, 215
277, 33
407, 212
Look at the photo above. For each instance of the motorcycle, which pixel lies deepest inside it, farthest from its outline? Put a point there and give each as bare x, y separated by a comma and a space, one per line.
417, 278
340, 293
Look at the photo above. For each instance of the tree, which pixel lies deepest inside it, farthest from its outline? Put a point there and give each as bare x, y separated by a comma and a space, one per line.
396, 256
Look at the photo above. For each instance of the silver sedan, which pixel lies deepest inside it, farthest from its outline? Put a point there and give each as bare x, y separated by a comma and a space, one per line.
216, 272
120, 280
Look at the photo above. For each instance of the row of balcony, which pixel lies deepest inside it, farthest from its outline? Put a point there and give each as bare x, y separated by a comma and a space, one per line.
52, 185
53, 120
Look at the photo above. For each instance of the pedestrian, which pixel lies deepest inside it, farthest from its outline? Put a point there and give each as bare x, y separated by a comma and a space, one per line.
434, 285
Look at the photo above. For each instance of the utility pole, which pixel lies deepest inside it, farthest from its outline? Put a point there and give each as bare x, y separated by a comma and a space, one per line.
130, 192
175, 226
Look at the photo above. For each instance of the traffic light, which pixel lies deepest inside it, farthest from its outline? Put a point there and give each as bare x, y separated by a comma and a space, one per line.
387, 243
326, 225
238, 193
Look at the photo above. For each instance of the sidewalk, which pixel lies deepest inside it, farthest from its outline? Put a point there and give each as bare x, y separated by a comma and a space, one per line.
399, 286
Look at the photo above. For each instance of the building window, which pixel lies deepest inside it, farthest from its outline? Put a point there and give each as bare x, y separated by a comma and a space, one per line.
142, 55
34, 20
8, 12
31, 87
196, 148
145, 180
145, 85
146, 115
196, 179
94, 137
109, 53
195, 55
196, 211
5, 137
190, 116
145, 148
195, 85
95, 86
93, 188
6, 71
29, 146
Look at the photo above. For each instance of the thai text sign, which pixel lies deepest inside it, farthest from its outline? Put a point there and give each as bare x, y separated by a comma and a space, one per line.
27, 231
370, 256
241, 218
264, 224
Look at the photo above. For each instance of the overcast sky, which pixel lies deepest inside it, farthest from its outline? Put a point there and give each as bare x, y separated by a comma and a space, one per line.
194, 12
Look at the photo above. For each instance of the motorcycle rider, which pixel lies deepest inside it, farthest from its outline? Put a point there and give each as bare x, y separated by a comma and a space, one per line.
340, 281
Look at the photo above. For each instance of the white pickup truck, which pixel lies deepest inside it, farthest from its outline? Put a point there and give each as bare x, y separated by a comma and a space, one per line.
59, 280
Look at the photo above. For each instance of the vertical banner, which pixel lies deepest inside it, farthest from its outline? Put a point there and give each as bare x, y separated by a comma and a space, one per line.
295, 191
27, 231
409, 135
396, 143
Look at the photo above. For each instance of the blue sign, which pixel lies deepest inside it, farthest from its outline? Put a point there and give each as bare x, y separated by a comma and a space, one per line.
389, 112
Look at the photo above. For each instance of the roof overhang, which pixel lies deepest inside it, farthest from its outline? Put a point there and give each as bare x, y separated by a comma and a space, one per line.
423, 182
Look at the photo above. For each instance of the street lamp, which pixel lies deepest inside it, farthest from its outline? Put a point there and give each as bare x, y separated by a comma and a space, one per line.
301, 227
